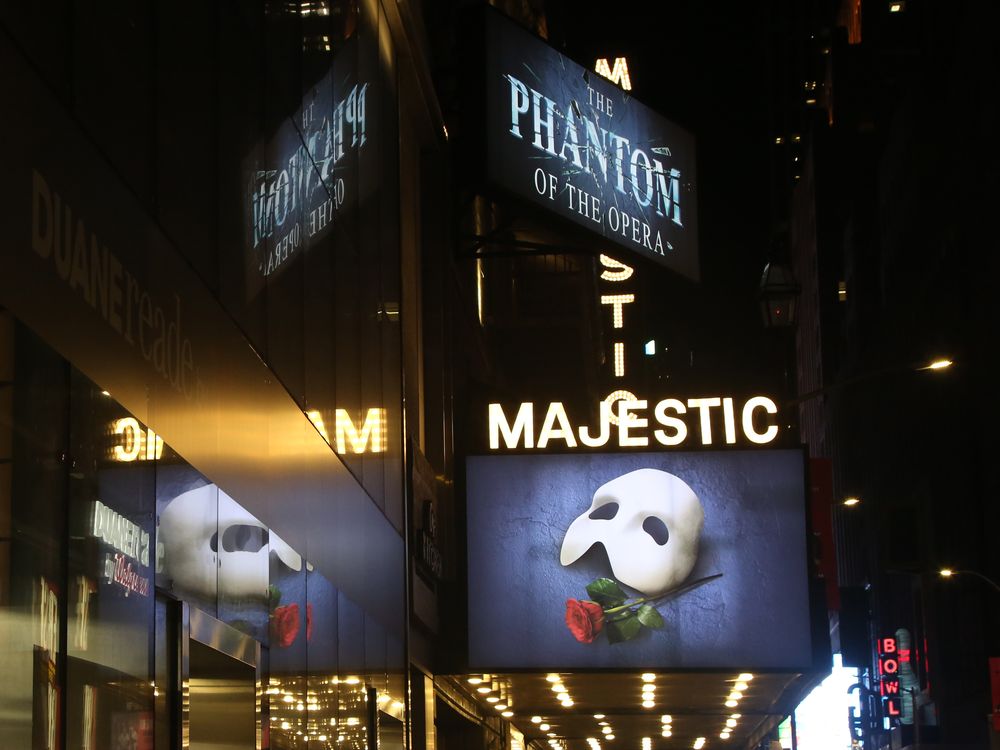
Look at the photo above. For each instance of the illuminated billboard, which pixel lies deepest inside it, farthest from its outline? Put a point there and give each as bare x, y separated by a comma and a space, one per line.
641, 560
576, 144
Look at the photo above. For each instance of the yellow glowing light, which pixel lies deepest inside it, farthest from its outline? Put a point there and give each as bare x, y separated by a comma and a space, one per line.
370, 439
666, 733
619, 74
724, 735
475, 680
615, 396
507, 714
741, 686
492, 699
699, 743
619, 349
288, 699
484, 689
648, 677
731, 704
617, 302
666, 718
609, 736
851, 501
553, 678
536, 719
946, 572
648, 703
744, 677
646, 743
895, 7
939, 364
606, 730
352, 680
285, 725
544, 727
614, 270
598, 716
567, 703
501, 707
735, 695
558, 688
735, 716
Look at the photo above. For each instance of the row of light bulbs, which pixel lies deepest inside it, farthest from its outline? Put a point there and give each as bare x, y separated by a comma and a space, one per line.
560, 690
740, 686
496, 694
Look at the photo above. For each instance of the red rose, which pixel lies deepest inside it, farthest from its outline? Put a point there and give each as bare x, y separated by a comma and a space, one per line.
285, 625
309, 622
584, 619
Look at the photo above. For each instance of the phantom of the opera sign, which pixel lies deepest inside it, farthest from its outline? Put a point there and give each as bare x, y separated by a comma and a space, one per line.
576, 144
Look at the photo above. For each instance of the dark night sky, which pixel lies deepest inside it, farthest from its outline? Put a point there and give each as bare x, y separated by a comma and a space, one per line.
705, 69
705, 66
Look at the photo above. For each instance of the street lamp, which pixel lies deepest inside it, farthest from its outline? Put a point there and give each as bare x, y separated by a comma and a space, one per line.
951, 572
935, 365
778, 295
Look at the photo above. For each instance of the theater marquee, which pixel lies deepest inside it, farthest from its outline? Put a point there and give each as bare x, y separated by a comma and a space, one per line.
571, 141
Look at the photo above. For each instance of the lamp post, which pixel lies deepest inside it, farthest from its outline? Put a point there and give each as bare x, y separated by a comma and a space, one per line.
951, 572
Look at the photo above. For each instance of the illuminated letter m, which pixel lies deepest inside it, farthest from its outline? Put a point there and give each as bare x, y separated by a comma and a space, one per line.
523, 425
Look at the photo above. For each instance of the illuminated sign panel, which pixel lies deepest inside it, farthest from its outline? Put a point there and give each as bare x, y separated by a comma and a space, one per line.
638, 560
574, 143
617, 74
633, 423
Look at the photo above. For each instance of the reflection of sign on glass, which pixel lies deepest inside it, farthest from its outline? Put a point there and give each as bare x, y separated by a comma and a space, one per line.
298, 182
349, 437
135, 443
131, 545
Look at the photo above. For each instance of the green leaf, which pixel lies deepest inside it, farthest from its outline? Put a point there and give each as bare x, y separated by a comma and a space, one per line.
606, 592
649, 617
273, 596
624, 628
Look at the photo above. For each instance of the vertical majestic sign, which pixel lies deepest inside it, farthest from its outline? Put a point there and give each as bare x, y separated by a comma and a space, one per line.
571, 141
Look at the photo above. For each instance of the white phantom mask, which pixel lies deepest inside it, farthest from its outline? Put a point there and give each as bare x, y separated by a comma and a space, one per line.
236, 560
649, 522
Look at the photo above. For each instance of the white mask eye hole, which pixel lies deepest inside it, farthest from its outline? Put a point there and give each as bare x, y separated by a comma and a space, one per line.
605, 513
242, 537
656, 529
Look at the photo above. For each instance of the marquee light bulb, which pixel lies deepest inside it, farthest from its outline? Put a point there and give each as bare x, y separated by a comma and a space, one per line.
492, 699
552, 677
567, 703
735, 695
484, 689
724, 735
536, 719
699, 743
744, 677
666, 718
475, 680
947, 572
558, 688
730, 722
544, 727
731, 704
507, 714
598, 716
648, 704
609, 736
741, 686
648, 677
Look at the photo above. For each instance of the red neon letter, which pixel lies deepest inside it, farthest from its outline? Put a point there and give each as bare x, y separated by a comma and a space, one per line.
888, 645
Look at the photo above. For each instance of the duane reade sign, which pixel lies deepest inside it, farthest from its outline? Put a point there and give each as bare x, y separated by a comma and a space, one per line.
567, 139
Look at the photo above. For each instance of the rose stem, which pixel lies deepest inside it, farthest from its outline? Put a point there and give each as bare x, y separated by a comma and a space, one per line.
647, 599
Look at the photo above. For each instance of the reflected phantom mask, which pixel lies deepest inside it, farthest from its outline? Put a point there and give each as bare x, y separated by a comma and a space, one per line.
649, 522
205, 548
